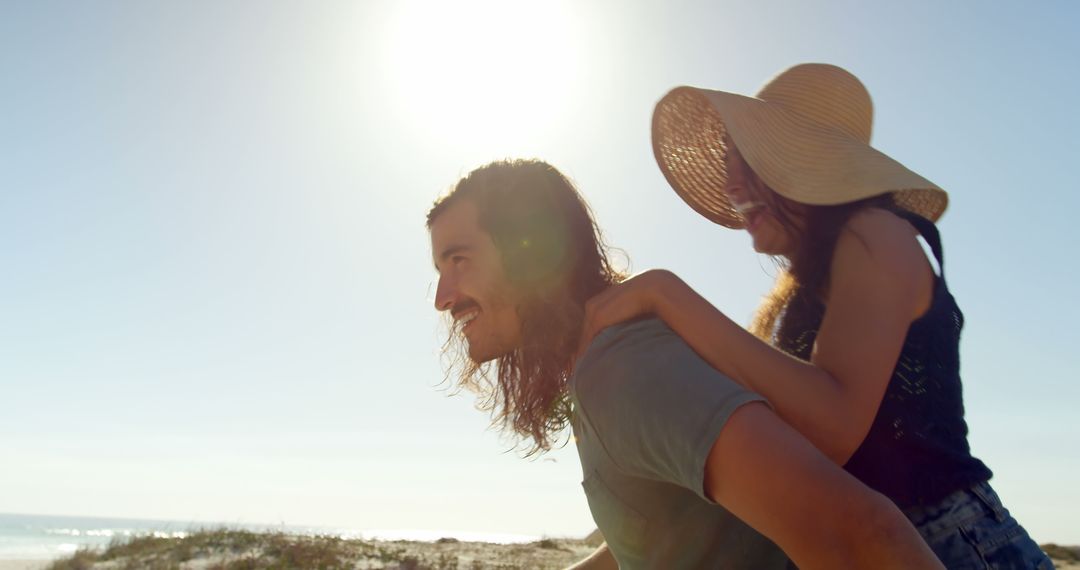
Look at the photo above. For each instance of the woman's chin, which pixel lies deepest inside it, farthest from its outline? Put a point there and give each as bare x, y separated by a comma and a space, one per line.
768, 247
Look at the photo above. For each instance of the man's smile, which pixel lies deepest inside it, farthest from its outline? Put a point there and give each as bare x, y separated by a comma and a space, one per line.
465, 313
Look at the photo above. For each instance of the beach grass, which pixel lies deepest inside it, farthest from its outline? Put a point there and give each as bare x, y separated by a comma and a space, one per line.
227, 549
1062, 553
230, 549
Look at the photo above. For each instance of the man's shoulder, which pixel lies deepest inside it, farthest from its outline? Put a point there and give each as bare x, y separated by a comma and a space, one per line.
618, 354
638, 364
625, 344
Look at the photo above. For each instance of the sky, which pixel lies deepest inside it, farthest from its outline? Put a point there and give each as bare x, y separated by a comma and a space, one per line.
216, 297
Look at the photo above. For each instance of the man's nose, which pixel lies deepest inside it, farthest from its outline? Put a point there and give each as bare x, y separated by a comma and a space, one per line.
445, 294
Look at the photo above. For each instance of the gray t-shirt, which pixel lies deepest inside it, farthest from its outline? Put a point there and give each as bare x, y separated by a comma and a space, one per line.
647, 410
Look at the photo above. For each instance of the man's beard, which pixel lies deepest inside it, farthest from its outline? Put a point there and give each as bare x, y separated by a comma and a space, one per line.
462, 368
525, 388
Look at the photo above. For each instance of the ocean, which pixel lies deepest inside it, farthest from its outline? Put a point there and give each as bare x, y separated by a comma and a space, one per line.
43, 537
46, 537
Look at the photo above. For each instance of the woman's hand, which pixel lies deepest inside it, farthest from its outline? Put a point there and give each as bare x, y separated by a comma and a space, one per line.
638, 296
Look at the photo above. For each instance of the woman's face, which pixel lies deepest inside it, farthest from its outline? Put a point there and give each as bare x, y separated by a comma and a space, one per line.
758, 205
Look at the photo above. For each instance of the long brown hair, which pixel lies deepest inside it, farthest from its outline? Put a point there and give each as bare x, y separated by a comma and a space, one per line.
555, 258
804, 274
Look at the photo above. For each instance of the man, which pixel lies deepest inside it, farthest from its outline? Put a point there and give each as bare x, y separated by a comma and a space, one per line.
677, 458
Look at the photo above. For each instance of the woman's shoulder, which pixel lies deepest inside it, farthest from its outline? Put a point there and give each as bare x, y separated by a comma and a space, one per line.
881, 231
880, 223
884, 239
878, 259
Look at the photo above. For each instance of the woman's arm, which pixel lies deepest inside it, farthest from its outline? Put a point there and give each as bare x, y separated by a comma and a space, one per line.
774, 480
879, 282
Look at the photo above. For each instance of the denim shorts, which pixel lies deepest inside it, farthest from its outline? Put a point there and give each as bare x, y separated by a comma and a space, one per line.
971, 529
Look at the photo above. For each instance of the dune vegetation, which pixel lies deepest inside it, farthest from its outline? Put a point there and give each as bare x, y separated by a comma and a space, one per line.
227, 549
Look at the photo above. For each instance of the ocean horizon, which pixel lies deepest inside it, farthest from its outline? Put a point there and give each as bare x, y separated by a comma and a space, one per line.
47, 537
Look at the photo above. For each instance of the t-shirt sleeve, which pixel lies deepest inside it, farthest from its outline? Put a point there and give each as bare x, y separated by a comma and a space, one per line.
656, 407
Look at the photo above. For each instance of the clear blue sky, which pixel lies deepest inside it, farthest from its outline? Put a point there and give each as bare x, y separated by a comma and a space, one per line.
216, 291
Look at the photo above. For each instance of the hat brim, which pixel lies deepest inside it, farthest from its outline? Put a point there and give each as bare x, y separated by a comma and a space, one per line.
801, 160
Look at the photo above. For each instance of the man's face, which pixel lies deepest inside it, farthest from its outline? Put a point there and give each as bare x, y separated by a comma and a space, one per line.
472, 283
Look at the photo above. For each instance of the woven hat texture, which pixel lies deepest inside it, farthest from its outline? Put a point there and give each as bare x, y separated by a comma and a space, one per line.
806, 134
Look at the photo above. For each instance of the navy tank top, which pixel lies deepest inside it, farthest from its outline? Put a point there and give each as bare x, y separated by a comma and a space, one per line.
916, 452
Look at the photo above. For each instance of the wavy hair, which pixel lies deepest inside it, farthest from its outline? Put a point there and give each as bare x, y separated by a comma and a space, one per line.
804, 277
555, 259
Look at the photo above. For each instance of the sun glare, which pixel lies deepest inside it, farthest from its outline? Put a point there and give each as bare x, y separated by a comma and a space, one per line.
484, 73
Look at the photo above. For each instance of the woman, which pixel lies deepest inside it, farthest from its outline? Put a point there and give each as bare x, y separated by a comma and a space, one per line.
861, 334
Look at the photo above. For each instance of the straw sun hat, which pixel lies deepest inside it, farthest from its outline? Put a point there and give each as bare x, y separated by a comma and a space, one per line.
806, 135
